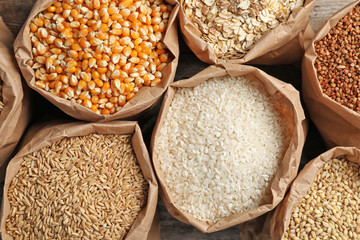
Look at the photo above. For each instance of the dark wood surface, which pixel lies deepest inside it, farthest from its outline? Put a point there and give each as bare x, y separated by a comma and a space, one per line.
14, 13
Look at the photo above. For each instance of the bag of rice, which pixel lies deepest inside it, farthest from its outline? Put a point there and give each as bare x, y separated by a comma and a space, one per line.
94, 65
331, 78
228, 31
14, 100
324, 200
80, 181
227, 145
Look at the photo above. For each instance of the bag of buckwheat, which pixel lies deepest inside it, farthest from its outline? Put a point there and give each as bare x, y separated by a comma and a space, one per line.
331, 78
256, 32
323, 202
14, 100
100, 61
81, 180
227, 145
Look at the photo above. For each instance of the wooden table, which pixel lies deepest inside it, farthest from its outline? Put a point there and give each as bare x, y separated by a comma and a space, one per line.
14, 13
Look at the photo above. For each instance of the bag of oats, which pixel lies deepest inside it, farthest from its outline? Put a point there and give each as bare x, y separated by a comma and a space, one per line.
246, 32
323, 202
14, 100
330, 78
94, 66
81, 180
215, 130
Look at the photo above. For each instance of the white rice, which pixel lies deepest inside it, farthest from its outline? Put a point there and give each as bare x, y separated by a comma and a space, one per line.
220, 146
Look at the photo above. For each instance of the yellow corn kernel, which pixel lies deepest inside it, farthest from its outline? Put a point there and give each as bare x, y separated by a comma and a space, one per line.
79, 57
125, 3
94, 108
58, 86
87, 103
133, 16
134, 60
85, 76
102, 70
105, 112
116, 83
41, 49
164, 58
155, 82
106, 87
127, 51
74, 13
85, 64
116, 32
138, 41
125, 32
129, 87
71, 63
33, 27
130, 96
73, 81
73, 54
49, 62
96, 91
95, 74
58, 69
98, 82
84, 95
82, 84
40, 84
94, 99
38, 22
56, 51
106, 18
96, 4
66, 33
69, 91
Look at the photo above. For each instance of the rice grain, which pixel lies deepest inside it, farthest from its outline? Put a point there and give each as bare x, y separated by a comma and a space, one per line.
220, 146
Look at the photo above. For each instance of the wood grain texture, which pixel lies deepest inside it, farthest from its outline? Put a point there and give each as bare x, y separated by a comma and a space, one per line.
323, 10
14, 13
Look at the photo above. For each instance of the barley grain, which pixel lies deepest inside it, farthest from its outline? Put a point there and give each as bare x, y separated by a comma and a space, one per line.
330, 210
88, 187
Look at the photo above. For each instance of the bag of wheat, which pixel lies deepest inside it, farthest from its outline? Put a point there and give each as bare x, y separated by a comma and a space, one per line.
227, 145
256, 32
100, 60
331, 78
14, 100
81, 181
324, 199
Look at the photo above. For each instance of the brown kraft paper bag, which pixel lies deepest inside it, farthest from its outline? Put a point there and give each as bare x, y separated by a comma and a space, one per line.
273, 47
281, 219
338, 125
146, 225
288, 165
257, 229
144, 99
15, 116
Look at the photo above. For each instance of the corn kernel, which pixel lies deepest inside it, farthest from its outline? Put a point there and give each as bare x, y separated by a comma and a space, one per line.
100, 57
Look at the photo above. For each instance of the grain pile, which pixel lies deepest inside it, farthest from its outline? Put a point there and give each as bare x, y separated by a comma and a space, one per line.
99, 53
231, 28
337, 63
88, 187
220, 146
331, 208
1, 96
